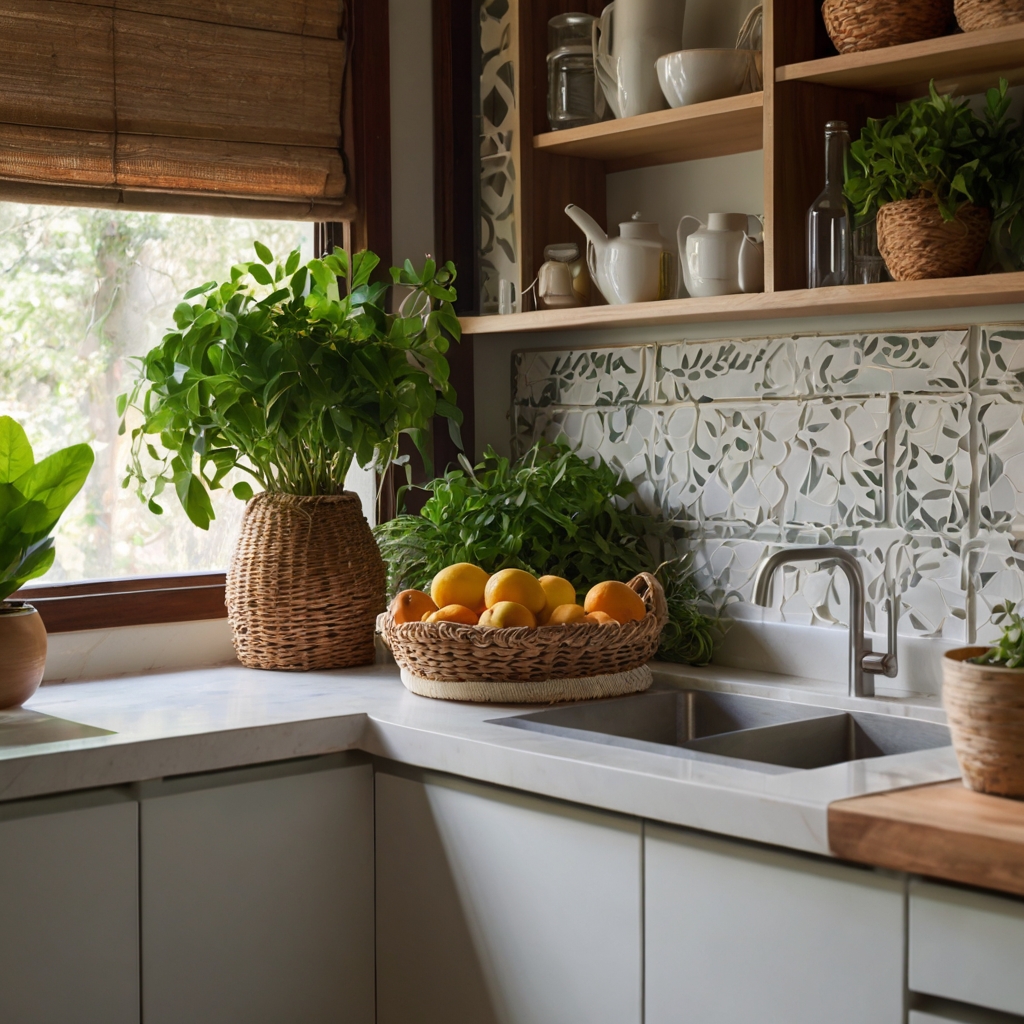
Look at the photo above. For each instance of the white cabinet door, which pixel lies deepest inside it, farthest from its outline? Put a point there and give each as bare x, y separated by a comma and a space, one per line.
967, 945
493, 906
69, 910
257, 896
738, 934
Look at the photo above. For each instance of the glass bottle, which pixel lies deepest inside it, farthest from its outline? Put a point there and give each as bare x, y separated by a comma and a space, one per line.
571, 72
829, 228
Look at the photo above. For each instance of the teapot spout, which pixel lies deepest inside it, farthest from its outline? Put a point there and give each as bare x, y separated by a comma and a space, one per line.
595, 236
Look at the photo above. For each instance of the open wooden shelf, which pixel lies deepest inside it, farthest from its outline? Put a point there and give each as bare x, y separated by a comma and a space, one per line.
960, 63
717, 128
887, 297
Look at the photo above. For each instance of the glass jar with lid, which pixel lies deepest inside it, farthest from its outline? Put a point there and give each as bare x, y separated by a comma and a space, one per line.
571, 98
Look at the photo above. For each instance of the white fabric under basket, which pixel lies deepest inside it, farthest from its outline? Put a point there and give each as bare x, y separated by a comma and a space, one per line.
547, 691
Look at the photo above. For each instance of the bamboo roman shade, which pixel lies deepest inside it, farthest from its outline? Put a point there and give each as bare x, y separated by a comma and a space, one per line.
213, 105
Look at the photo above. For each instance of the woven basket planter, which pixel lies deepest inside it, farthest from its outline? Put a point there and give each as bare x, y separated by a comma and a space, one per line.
579, 660
974, 15
871, 24
985, 707
917, 244
306, 583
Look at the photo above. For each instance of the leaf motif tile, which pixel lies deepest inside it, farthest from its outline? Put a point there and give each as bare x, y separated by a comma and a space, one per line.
1001, 358
932, 465
814, 463
1000, 461
701, 371
596, 377
996, 569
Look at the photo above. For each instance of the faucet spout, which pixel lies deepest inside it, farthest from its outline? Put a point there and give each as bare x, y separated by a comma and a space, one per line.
864, 664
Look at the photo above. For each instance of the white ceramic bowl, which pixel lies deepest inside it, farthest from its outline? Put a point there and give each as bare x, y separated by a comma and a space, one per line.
696, 76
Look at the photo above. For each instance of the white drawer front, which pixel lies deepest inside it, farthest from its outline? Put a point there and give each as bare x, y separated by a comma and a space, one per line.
967, 946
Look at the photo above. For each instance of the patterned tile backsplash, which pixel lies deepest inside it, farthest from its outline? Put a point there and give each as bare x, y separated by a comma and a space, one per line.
907, 448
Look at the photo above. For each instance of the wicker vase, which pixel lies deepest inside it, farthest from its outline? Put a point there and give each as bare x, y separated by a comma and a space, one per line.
974, 15
985, 707
917, 244
22, 652
306, 584
871, 24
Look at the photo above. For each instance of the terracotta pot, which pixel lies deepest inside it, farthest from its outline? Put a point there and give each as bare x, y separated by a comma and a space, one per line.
917, 244
306, 584
985, 707
22, 652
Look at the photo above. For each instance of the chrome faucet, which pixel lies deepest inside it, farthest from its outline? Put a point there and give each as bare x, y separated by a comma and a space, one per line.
864, 663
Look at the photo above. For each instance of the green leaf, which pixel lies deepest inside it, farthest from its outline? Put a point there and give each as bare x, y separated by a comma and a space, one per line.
16, 455
260, 273
264, 254
50, 485
242, 490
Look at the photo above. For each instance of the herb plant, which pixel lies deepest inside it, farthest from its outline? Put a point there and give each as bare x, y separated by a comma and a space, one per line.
937, 147
274, 373
33, 496
549, 512
1008, 650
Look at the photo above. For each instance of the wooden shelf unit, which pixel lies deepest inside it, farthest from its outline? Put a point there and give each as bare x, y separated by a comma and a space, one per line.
806, 84
718, 128
886, 297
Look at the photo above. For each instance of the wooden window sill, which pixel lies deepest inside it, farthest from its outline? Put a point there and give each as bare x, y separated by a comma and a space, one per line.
132, 601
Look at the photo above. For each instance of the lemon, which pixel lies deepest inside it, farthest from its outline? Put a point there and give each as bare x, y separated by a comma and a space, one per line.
462, 583
556, 591
517, 586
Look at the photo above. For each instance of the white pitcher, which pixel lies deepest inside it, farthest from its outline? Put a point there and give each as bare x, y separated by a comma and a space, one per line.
721, 257
628, 39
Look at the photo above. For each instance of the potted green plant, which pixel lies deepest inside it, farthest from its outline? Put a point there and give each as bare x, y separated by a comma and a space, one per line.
278, 375
983, 693
940, 180
33, 497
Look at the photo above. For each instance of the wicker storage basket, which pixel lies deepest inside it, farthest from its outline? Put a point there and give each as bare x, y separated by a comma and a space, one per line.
447, 652
305, 584
916, 243
985, 707
974, 15
871, 24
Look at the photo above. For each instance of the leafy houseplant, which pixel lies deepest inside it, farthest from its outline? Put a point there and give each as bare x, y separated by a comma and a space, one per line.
941, 181
276, 374
549, 512
33, 497
983, 693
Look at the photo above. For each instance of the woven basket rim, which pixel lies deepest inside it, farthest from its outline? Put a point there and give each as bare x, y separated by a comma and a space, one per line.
962, 655
287, 496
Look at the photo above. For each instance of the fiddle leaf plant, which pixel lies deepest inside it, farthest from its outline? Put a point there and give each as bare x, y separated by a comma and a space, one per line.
33, 497
282, 373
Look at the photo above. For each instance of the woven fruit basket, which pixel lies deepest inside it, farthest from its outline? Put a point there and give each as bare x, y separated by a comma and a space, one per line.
528, 666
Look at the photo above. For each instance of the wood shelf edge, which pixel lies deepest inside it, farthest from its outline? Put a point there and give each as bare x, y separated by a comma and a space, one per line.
972, 48
887, 297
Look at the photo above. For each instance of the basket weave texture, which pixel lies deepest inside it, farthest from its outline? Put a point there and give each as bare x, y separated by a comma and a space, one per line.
974, 15
916, 243
451, 652
305, 584
855, 25
985, 707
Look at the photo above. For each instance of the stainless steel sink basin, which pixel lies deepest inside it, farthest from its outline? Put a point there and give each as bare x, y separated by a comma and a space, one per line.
764, 735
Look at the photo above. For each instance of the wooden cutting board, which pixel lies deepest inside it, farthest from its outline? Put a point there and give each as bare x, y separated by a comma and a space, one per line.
944, 831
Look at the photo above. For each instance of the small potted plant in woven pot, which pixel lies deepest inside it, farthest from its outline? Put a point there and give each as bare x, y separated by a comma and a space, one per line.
276, 377
983, 693
936, 177
33, 496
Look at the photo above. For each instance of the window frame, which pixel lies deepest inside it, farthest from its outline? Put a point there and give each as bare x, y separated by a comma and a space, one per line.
184, 597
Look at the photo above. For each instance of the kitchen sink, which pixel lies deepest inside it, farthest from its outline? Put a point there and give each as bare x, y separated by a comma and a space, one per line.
764, 734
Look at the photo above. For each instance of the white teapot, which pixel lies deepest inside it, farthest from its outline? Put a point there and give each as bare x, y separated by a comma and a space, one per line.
723, 256
635, 267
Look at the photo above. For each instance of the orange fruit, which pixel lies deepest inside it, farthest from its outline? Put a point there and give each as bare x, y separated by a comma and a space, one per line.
600, 619
566, 614
557, 591
411, 606
453, 613
485, 618
616, 600
516, 586
461, 583
506, 614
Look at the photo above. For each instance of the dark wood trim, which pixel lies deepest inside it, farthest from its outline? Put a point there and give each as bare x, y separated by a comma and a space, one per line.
133, 601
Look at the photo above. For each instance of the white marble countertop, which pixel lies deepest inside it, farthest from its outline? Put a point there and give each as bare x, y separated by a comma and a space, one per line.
206, 719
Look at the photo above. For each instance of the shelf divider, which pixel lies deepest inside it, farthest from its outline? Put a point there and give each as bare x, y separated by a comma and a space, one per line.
717, 128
